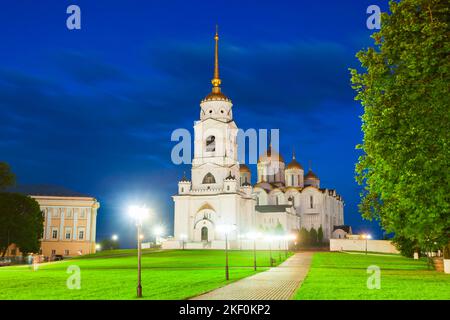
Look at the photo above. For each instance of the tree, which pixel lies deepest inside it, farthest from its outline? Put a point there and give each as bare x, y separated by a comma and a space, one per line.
303, 237
109, 244
278, 230
313, 236
320, 234
406, 246
404, 92
7, 178
21, 223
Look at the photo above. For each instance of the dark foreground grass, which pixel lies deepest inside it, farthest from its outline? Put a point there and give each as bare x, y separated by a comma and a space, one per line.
174, 274
344, 276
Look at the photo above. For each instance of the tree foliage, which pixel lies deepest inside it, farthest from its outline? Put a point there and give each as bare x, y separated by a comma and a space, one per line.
21, 223
404, 91
303, 237
109, 244
7, 178
312, 236
278, 230
320, 234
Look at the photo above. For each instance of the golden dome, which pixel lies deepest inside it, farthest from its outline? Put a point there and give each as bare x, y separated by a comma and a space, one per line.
311, 176
294, 165
243, 168
216, 96
270, 156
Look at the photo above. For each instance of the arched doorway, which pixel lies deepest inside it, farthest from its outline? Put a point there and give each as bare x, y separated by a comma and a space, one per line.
204, 233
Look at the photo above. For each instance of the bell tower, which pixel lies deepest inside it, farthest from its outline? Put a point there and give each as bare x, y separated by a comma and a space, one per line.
215, 145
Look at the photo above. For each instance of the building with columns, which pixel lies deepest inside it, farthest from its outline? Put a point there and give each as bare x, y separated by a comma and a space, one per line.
220, 192
70, 220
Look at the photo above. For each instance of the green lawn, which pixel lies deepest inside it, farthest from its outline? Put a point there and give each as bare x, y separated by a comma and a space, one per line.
344, 276
174, 274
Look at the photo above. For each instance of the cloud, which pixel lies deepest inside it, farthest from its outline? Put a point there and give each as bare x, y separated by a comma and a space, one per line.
86, 68
296, 76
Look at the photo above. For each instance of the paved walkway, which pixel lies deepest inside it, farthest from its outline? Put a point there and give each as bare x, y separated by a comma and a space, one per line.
279, 283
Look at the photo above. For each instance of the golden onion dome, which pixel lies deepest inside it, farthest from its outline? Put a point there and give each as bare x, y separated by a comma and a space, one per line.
311, 176
216, 96
294, 165
270, 156
243, 168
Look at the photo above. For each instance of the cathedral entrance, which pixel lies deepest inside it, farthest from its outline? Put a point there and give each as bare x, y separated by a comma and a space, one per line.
204, 234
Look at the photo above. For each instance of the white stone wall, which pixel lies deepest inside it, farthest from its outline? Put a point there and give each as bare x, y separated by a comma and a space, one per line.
382, 246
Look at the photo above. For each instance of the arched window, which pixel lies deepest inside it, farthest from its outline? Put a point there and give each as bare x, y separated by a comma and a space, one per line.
292, 180
204, 234
311, 202
209, 178
211, 144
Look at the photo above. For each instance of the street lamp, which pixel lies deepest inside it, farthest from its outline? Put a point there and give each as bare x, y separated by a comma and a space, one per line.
279, 239
98, 247
289, 237
138, 214
226, 229
115, 237
270, 239
183, 238
253, 236
367, 237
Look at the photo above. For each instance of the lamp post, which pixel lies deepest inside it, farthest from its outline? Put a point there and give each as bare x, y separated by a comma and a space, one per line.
289, 237
114, 237
269, 239
367, 237
279, 238
138, 213
253, 236
226, 229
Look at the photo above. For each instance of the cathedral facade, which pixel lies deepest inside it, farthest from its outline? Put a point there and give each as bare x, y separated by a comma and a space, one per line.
220, 193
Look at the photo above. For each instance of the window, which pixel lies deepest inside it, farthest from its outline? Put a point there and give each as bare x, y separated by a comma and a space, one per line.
66, 252
13, 252
211, 144
68, 233
276, 199
311, 202
182, 189
209, 178
292, 180
53, 252
80, 234
54, 234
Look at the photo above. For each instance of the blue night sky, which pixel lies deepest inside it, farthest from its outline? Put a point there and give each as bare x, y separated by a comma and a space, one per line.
93, 109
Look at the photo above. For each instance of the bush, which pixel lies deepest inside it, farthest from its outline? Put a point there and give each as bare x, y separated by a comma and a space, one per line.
406, 247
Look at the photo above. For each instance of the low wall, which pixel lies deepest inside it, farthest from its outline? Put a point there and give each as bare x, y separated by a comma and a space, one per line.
382, 246
220, 244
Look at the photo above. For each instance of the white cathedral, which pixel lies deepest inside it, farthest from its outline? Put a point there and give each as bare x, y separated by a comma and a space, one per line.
220, 192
